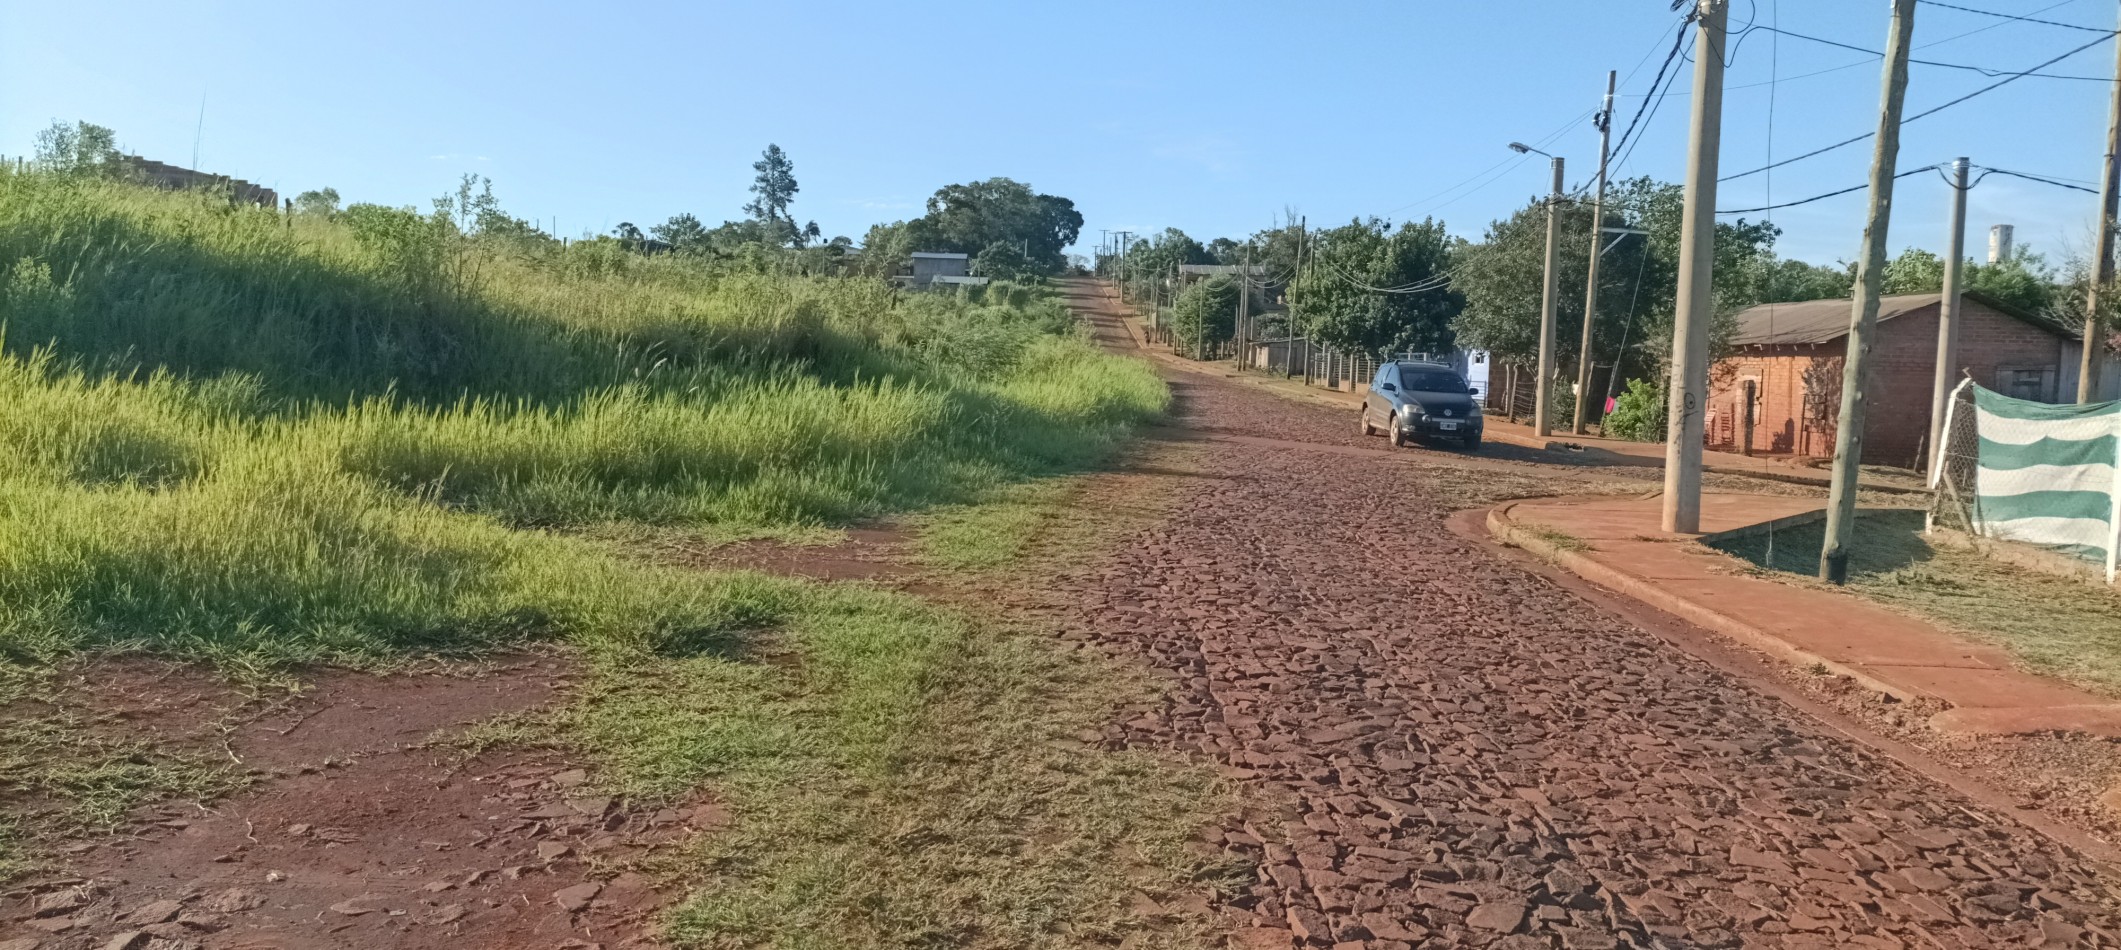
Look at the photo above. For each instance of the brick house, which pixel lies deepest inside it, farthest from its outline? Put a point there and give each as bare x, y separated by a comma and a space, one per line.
1779, 391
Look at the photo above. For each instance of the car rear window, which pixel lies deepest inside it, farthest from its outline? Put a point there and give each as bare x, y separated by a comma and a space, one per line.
1431, 381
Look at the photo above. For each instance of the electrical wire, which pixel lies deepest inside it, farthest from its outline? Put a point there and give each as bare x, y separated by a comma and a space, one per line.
1987, 171
1831, 194
1923, 114
1678, 43
2013, 16
1983, 70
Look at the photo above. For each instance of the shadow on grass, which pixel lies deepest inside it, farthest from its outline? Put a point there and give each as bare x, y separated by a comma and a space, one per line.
1886, 540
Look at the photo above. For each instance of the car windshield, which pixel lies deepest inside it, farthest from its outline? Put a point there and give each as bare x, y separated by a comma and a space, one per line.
1431, 381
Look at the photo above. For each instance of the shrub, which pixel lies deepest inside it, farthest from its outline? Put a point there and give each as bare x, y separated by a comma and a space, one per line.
1639, 414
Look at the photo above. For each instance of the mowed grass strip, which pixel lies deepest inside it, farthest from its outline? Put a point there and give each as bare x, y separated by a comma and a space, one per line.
2056, 625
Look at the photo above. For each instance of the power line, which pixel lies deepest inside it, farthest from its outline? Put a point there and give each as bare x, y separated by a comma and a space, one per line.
1991, 73
1925, 113
1678, 42
1985, 172
2031, 177
1831, 194
2013, 16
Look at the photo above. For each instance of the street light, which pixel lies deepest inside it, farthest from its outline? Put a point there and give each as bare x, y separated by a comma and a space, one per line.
1521, 148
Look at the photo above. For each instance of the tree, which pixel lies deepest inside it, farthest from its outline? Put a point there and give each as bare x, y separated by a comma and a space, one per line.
1915, 271
684, 233
82, 148
969, 218
774, 187
1204, 313
628, 235
322, 202
885, 249
1005, 261
1377, 289
1502, 278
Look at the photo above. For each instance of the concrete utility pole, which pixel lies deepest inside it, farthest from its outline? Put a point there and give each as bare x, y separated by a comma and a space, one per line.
1244, 311
1863, 318
1948, 315
2103, 265
1542, 420
1584, 362
1697, 257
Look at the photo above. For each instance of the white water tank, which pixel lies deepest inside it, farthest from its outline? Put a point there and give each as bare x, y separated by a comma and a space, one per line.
1999, 243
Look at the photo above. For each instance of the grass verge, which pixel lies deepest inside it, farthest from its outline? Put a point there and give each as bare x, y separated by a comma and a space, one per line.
2053, 625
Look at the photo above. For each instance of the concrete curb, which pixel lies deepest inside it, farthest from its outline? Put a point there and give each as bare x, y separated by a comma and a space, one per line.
1508, 531
2099, 719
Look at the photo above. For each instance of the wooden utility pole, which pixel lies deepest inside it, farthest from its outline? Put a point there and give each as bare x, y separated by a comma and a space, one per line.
1697, 257
1584, 362
1948, 315
1542, 418
2103, 264
1863, 317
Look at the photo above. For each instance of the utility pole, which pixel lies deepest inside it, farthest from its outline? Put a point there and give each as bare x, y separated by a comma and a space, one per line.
1697, 258
2103, 268
1302, 225
1863, 318
1542, 422
1948, 315
1237, 320
1584, 362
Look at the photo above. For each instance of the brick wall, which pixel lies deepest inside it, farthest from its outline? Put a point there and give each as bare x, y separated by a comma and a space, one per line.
1798, 394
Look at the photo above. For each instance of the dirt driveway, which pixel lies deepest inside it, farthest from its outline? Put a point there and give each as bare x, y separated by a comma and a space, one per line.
1450, 750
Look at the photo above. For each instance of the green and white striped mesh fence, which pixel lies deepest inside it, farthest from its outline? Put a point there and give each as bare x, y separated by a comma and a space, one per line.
2033, 473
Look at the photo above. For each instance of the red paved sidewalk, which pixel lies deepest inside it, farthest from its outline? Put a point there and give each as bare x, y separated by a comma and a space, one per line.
1623, 547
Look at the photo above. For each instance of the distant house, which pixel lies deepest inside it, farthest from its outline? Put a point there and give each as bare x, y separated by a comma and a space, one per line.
174, 178
1780, 392
929, 265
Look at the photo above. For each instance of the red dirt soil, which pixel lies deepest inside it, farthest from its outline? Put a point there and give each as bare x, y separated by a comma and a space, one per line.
358, 836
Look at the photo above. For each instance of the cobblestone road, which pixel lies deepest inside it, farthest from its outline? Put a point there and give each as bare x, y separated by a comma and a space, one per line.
1471, 756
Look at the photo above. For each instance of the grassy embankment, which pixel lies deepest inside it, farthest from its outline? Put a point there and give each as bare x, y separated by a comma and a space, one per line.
261, 444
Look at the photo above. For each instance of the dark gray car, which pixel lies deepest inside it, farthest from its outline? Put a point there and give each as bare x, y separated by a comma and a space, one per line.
1409, 401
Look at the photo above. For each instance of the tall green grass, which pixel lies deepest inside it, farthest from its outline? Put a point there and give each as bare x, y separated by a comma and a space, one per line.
231, 434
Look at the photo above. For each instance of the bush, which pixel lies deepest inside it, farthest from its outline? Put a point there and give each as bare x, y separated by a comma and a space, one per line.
1639, 414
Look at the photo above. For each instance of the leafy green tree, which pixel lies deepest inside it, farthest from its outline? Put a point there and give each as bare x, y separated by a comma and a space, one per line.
969, 218
321, 202
885, 249
1502, 280
82, 148
1204, 313
1370, 287
1003, 260
2024, 280
1914, 271
1151, 264
684, 233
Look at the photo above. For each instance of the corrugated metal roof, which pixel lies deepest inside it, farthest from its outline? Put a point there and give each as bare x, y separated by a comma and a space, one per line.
1220, 269
1823, 321
942, 255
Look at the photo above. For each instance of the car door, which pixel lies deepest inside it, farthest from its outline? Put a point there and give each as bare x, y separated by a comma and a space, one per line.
1384, 393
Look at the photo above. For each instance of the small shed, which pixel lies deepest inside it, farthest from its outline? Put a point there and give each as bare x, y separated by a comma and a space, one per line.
1779, 392
929, 265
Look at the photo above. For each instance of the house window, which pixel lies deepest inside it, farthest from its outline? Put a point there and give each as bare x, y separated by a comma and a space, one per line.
2026, 384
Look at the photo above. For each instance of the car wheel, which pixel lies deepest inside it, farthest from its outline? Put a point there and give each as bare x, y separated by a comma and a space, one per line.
1399, 436
1367, 429
1473, 441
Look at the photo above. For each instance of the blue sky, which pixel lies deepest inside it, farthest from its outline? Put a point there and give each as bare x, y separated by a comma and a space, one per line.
1212, 117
